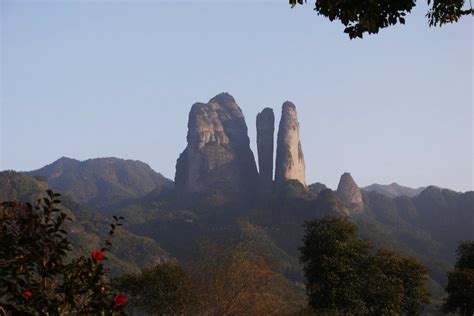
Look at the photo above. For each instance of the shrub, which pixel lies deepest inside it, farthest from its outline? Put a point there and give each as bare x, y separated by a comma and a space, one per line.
38, 276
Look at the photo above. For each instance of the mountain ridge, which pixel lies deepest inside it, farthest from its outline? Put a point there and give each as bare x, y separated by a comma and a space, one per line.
88, 228
96, 182
394, 189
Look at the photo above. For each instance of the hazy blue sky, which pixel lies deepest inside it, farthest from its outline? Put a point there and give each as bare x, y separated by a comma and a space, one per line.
87, 79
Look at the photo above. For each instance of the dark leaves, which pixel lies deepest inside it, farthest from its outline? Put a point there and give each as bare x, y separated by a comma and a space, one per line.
35, 256
370, 16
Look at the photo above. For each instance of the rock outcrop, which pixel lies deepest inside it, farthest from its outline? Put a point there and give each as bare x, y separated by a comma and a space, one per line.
350, 193
265, 132
289, 158
218, 154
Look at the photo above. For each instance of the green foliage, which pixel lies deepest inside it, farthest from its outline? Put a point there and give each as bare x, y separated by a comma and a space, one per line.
342, 275
426, 226
446, 11
102, 183
408, 275
257, 238
88, 228
383, 291
460, 286
465, 252
292, 189
332, 258
369, 16
164, 289
36, 274
220, 280
18, 187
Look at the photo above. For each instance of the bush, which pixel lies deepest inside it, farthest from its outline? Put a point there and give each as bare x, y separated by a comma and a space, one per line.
164, 289
37, 275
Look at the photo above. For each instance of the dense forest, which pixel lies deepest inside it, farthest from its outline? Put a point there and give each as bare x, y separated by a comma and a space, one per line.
219, 253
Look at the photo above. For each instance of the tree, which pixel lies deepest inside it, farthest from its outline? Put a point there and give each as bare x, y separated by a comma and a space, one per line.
369, 16
460, 285
343, 277
411, 276
382, 292
37, 274
235, 280
333, 257
164, 289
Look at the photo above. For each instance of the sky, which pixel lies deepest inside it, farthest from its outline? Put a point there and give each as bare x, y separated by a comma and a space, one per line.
86, 79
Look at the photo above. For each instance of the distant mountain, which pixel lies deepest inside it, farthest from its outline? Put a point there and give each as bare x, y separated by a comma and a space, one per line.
393, 190
427, 226
447, 214
89, 229
215, 198
15, 186
102, 183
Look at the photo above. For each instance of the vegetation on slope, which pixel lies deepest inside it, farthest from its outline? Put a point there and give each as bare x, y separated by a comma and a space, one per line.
88, 228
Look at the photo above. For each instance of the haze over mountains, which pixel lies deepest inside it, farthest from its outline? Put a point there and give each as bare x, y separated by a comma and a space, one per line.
88, 228
393, 190
101, 182
218, 193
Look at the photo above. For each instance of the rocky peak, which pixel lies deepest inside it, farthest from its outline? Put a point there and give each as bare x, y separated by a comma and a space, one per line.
218, 154
350, 193
289, 158
265, 132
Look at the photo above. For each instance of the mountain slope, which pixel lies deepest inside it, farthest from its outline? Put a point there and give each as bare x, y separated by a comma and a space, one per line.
428, 226
102, 183
88, 229
393, 190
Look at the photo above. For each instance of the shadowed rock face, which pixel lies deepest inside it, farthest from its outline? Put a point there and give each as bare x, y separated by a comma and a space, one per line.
265, 132
218, 154
350, 193
289, 158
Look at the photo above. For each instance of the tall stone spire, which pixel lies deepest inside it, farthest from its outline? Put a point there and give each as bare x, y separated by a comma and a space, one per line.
289, 158
265, 132
350, 193
218, 154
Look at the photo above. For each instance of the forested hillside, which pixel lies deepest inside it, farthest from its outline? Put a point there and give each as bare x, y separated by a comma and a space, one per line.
88, 228
168, 224
102, 183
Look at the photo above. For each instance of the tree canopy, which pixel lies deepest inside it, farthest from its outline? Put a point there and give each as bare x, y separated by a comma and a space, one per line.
220, 280
163, 289
460, 286
343, 276
369, 16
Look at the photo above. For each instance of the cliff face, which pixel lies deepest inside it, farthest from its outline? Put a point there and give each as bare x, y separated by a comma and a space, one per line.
289, 158
350, 193
265, 132
218, 154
